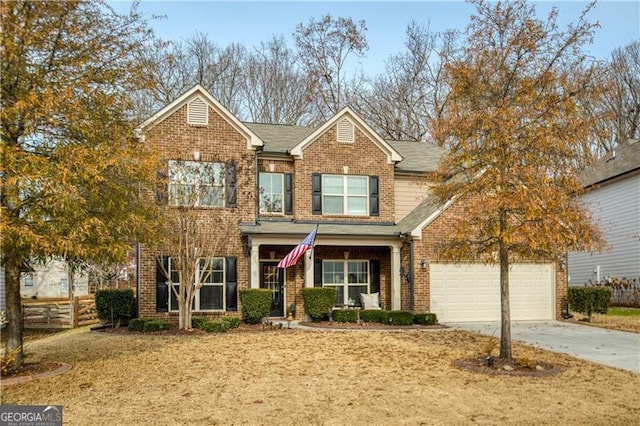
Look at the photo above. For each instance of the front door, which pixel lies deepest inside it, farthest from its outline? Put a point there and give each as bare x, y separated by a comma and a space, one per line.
272, 277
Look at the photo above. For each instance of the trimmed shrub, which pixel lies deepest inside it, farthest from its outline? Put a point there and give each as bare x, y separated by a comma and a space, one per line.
256, 304
137, 324
214, 327
155, 325
587, 300
425, 319
231, 322
196, 322
318, 302
399, 318
114, 306
345, 315
373, 315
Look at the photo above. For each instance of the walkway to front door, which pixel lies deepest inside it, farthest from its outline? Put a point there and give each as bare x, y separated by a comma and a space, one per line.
272, 277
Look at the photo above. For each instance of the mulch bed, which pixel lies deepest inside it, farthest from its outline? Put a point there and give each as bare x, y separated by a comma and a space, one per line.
370, 326
504, 367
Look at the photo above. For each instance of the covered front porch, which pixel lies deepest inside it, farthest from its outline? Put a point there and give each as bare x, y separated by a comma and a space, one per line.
353, 258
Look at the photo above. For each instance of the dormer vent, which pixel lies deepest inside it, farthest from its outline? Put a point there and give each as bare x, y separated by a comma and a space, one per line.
345, 131
197, 112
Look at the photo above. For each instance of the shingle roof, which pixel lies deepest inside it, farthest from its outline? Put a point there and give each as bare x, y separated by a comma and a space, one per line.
418, 156
279, 138
415, 217
624, 159
328, 229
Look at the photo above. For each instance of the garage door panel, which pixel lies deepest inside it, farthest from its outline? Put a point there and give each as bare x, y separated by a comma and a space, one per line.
471, 292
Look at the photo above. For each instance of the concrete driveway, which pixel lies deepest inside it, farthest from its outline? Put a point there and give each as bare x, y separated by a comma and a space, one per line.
613, 348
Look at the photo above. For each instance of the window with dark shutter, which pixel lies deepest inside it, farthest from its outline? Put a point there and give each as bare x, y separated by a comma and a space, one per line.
162, 288
374, 196
231, 185
316, 185
288, 193
231, 273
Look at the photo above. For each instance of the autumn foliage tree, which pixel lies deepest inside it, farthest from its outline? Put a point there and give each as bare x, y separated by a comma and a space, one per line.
70, 170
515, 127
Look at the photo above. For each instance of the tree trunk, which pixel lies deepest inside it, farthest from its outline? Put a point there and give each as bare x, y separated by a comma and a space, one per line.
505, 335
13, 348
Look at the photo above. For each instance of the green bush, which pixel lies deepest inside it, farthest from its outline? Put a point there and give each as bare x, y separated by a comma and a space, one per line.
399, 318
318, 302
137, 324
345, 315
197, 321
425, 319
373, 315
155, 325
231, 322
114, 306
587, 300
256, 304
219, 326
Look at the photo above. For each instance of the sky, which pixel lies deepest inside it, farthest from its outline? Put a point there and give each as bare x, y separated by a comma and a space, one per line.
252, 22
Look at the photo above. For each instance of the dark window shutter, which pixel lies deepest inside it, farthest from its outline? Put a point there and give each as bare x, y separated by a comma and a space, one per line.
374, 270
162, 288
231, 273
288, 193
317, 273
162, 188
316, 184
374, 196
231, 184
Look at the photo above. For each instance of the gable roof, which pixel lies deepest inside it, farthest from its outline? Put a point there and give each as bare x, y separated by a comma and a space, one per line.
253, 140
624, 159
279, 138
418, 157
393, 156
425, 213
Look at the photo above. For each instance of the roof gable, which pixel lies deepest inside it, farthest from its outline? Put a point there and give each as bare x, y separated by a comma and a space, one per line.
195, 93
393, 156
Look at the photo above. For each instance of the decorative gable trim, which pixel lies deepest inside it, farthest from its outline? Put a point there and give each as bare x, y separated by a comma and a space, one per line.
198, 112
347, 114
197, 91
345, 131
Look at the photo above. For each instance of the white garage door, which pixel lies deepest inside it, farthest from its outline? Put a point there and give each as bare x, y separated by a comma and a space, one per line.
471, 292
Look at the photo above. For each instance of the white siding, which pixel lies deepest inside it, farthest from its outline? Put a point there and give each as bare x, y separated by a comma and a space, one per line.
409, 192
616, 207
50, 280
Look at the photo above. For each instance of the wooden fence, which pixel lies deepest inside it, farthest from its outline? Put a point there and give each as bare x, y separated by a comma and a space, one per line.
60, 313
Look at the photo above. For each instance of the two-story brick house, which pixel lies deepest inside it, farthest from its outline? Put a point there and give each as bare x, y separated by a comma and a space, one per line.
377, 227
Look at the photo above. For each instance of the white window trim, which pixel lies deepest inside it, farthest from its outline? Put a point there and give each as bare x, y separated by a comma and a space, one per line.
197, 298
346, 283
222, 185
345, 195
280, 213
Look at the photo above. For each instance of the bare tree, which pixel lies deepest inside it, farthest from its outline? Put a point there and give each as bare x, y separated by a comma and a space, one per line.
401, 102
275, 89
324, 46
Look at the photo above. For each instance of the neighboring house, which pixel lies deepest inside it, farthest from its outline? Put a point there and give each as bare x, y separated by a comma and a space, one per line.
377, 225
613, 197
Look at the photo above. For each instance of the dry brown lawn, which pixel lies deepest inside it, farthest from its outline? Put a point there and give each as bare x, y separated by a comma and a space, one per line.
612, 322
314, 377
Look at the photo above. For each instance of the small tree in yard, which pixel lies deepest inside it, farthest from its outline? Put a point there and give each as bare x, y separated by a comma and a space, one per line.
194, 237
514, 123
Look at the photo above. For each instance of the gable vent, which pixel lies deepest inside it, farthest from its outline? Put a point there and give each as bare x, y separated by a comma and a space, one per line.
197, 112
345, 131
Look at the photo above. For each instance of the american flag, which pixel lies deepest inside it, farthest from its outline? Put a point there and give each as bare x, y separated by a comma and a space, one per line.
293, 256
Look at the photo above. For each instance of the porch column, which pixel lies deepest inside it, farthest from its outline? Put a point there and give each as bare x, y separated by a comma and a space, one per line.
255, 266
308, 269
395, 278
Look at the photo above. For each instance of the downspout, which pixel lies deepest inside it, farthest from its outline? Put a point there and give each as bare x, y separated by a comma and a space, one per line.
138, 279
411, 275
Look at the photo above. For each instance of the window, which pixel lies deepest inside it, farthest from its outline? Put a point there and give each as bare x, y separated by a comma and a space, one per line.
193, 183
349, 277
211, 296
271, 192
27, 279
345, 194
